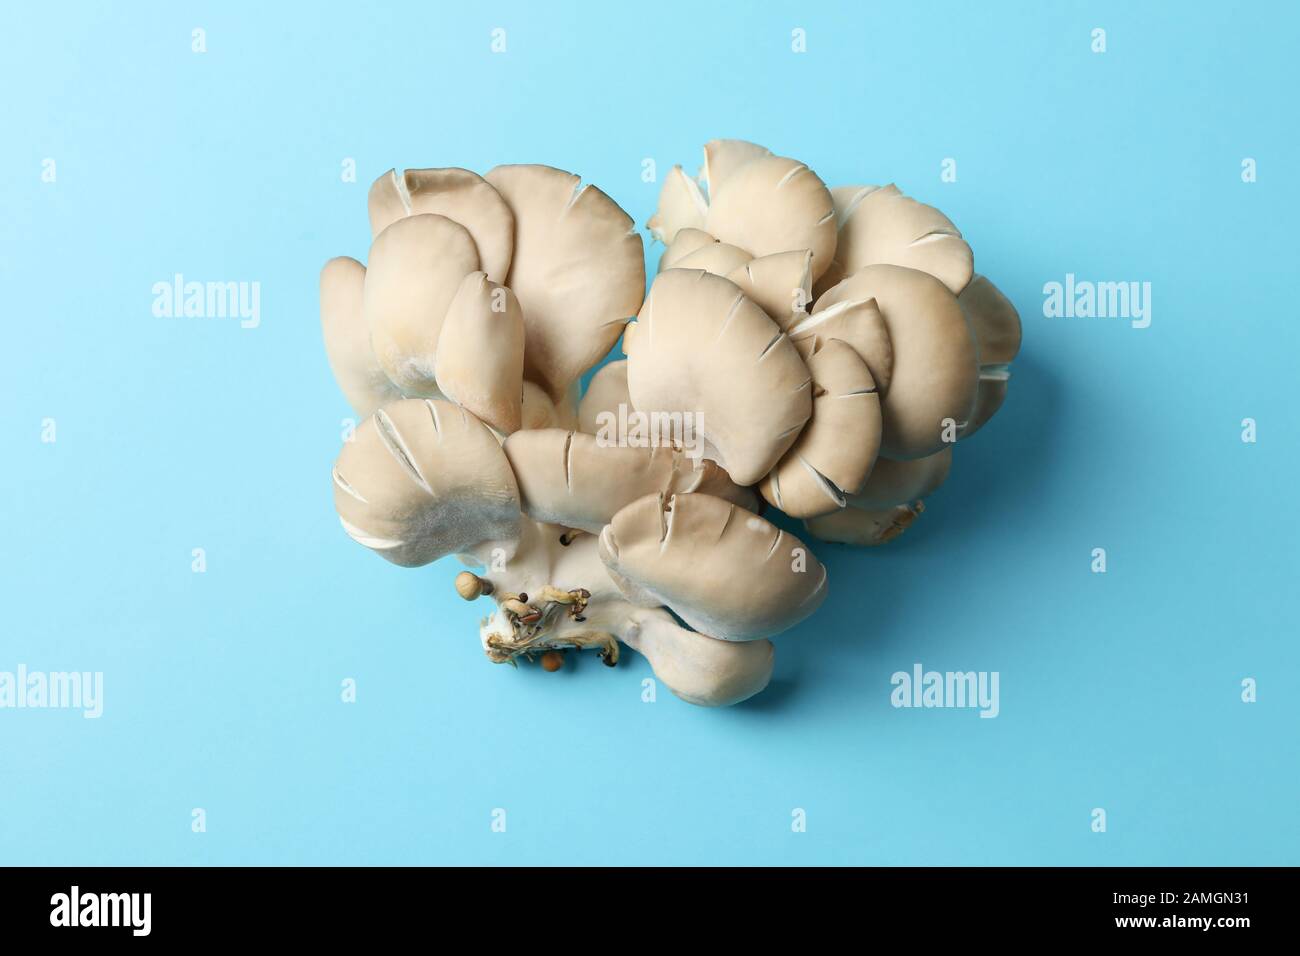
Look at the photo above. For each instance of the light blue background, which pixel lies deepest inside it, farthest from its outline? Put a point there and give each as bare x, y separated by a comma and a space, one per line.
1119, 691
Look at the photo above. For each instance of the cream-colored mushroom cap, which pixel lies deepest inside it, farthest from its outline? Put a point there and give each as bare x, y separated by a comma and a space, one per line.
835, 451
416, 268
681, 206
347, 339
773, 204
996, 325
893, 482
480, 360
881, 225
779, 284
723, 570
422, 479
858, 323
575, 480
700, 669
935, 372
460, 195
716, 257
700, 346
864, 529
578, 271
606, 391
722, 157
686, 242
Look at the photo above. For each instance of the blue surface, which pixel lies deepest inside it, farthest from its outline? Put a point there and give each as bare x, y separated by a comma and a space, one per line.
1120, 691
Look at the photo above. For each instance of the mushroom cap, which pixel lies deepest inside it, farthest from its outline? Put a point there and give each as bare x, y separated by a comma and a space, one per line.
774, 204
992, 393
681, 206
935, 371
700, 346
480, 360
779, 284
894, 482
576, 480
688, 240
416, 268
835, 451
578, 270
724, 570
347, 339
857, 322
606, 391
993, 319
716, 257
864, 529
722, 157
700, 669
881, 225
422, 479
460, 195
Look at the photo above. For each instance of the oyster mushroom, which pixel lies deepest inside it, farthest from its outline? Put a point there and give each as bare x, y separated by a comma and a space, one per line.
700, 346
347, 339
835, 451
888, 503
422, 479
480, 359
934, 368
881, 225
725, 571
578, 271
606, 391
996, 326
572, 480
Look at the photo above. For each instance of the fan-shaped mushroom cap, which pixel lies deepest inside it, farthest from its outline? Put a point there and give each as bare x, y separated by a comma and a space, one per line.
460, 195
723, 570
857, 322
835, 451
606, 391
700, 346
774, 204
697, 668
935, 371
716, 257
881, 225
416, 267
996, 325
893, 482
575, 480
687, 242
722, 157
681, 206
480, 360
422, 479
779, 284
578, 270
864, 528
347, 339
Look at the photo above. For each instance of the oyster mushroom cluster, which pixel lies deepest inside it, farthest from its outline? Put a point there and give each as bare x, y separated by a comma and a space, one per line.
812, 350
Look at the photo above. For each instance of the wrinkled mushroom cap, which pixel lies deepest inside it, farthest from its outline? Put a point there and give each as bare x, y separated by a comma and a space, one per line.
422, 479
935, 372
779, 284
347, 339
725, 571
573, 480
881, 225
835, 451
578, 271
700, 346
